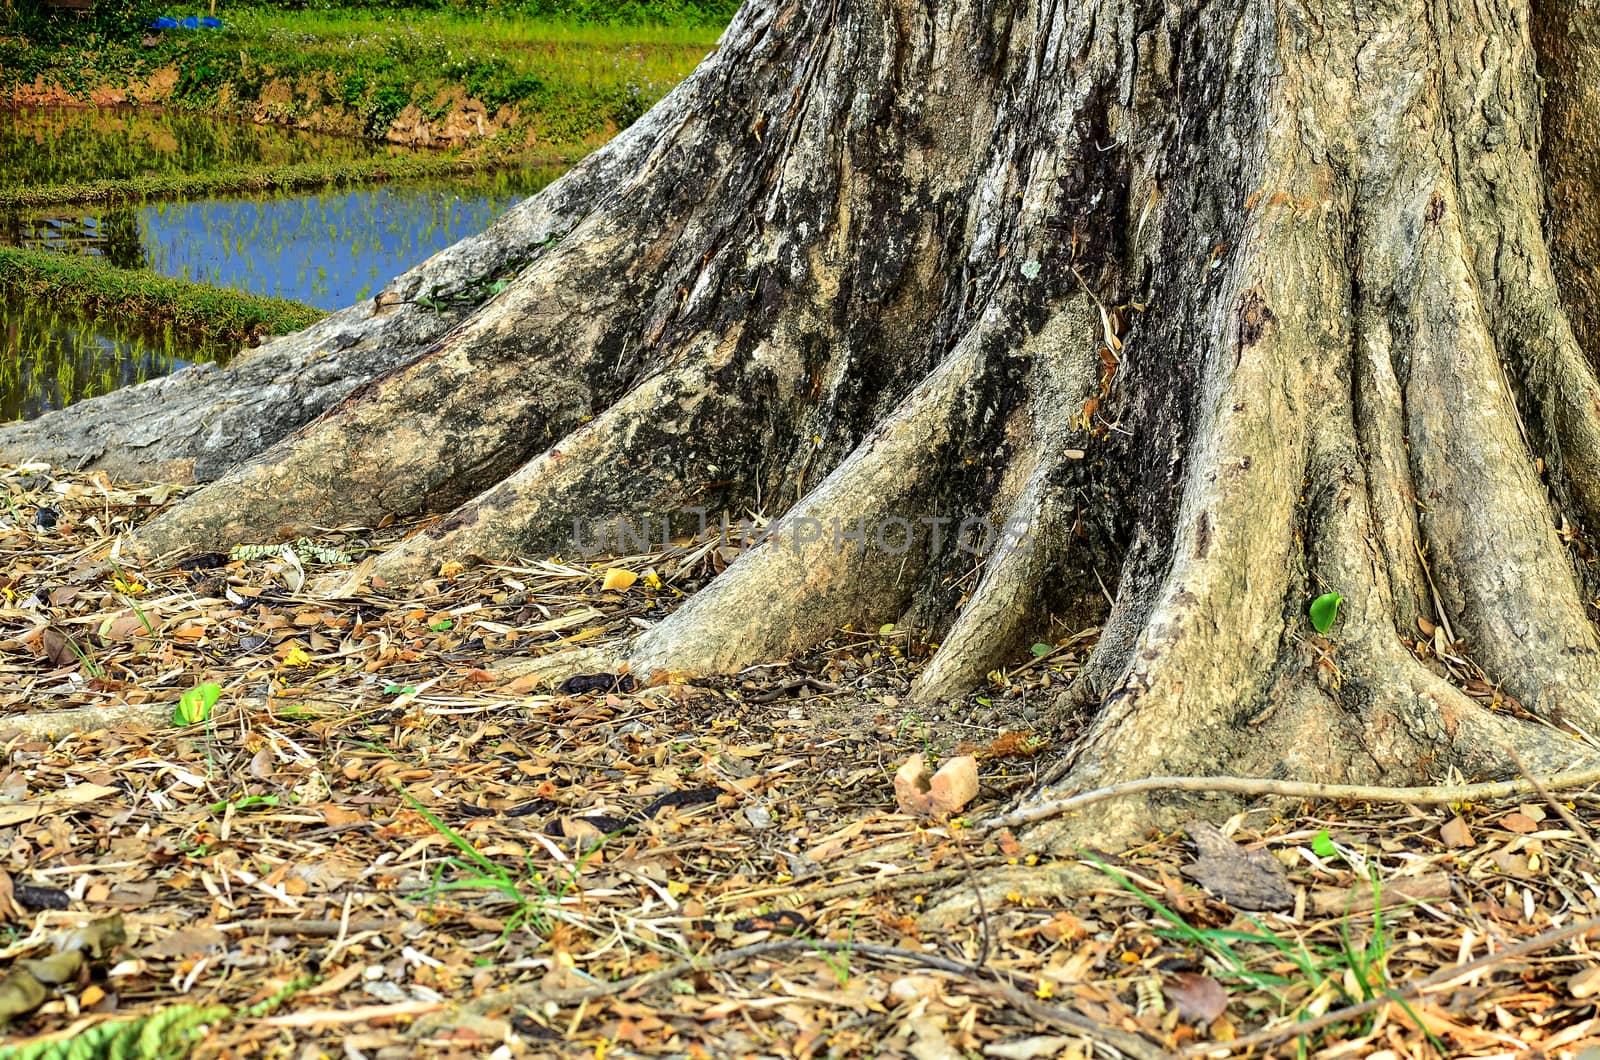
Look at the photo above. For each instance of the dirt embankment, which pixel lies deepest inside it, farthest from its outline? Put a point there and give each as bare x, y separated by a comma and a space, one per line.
157, 88
454, 120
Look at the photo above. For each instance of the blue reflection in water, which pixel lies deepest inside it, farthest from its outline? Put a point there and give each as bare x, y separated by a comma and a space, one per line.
329, 249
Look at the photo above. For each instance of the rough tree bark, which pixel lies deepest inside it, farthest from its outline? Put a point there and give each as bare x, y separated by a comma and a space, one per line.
1227, 305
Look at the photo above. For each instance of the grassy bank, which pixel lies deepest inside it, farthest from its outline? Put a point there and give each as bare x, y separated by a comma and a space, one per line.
212, 313
244, 180
436, 76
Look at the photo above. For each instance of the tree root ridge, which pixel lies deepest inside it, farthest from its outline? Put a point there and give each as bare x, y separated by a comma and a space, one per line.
1425, 795
1213, 319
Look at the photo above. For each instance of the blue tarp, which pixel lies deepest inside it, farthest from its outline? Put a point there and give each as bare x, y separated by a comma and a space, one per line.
190, 22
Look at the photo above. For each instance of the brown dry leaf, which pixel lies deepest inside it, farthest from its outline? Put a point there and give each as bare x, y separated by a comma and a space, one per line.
124, 626
339, 816
375, 1014
1200, 998
910, 988
57, 648
1454, 833
1359, 898
193, 940
947, 791
1040, 1047
67, 798
1518, 822
1245, 879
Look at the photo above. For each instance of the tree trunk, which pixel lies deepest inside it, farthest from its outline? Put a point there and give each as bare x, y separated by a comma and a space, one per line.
1224, 307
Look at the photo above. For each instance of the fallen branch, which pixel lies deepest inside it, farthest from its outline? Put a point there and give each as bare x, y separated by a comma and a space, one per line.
1428, 794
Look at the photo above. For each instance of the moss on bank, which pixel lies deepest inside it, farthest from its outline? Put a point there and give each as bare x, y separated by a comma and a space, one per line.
253, 179
215, 313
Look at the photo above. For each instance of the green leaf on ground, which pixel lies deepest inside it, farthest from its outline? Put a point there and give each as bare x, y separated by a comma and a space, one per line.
195, 705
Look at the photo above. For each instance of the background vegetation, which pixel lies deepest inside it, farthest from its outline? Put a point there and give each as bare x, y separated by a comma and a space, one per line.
575, 71
213, 313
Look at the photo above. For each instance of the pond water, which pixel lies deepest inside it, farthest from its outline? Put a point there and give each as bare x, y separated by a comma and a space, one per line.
328, 249
70, 145
49, 359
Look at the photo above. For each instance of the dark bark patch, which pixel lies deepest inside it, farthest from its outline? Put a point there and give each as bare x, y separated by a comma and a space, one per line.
1435, 211
1202, 536
1255, 316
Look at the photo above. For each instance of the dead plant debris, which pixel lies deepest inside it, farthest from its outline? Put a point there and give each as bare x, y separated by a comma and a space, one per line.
375, 845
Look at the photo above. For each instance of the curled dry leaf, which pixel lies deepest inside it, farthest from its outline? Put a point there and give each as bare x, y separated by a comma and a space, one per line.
1199, 998
947, 791
1519, 822
1454, 833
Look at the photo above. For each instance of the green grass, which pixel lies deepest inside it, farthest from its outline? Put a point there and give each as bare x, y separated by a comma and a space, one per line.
236, 180
504, 30
698, 14
535, 900
1291, 971
210, 313
569, 83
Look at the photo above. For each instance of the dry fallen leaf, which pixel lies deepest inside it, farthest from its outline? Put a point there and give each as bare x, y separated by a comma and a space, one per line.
948, 790
1200, 998
1245, 879
20, 993
1035, 1048
1585, 984
191, 940
78, 795
618, 580
1454, 833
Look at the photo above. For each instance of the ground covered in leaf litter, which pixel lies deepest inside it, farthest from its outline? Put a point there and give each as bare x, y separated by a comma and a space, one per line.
377, 846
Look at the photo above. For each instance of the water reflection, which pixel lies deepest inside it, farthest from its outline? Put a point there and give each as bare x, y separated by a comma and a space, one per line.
71, 145
113, 235
49, 358
328, 249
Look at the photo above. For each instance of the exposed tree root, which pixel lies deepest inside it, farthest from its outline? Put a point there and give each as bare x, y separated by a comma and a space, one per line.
822, 568
1222, 309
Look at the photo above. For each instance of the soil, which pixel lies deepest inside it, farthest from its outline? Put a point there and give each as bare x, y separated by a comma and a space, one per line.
465, 120
284, 103
157, 88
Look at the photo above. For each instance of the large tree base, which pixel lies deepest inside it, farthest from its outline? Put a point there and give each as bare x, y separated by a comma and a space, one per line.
1198, 321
